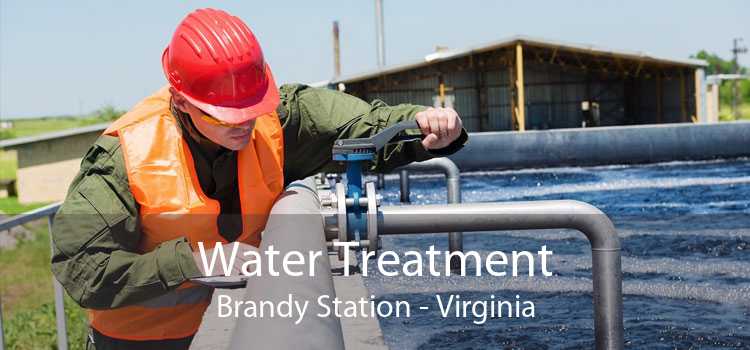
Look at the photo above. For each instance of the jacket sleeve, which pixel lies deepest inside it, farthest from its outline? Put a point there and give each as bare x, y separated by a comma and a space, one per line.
313, 118
95, 238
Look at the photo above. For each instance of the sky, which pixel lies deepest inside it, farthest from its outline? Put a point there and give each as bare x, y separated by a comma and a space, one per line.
72, 57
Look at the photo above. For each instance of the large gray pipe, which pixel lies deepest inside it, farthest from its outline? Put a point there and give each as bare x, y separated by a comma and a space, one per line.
604, 145
605, 245
453, 185
295, 224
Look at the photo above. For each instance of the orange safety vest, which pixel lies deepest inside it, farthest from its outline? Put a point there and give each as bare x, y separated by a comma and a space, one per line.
163, 181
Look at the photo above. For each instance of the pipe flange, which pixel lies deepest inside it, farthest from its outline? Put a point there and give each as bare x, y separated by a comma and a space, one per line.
341, 216
372, 218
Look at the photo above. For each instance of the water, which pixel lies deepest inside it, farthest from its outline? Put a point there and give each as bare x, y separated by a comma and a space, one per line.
685, 230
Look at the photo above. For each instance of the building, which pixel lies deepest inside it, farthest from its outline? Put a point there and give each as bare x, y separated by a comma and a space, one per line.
48, 163
520, 83
525, 83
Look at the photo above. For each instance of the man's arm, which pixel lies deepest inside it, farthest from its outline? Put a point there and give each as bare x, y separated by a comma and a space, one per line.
313, 118
95, 238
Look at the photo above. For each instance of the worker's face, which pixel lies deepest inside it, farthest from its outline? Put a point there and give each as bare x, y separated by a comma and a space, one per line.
234, 137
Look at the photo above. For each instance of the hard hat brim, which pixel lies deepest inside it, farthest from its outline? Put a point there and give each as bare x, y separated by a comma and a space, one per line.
263, 103
268, 102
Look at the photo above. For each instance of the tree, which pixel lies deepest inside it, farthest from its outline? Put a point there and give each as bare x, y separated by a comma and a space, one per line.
108, 112
718, 65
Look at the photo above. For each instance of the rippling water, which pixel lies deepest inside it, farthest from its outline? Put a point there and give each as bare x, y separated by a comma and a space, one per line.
685, 230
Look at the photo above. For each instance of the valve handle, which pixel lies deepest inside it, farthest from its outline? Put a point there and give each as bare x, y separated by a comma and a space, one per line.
375, 143
389, 134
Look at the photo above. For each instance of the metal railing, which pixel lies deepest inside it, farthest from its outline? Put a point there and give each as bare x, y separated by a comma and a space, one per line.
36, 214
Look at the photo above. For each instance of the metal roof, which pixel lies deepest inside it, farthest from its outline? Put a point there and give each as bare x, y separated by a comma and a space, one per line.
11, 143
456, 53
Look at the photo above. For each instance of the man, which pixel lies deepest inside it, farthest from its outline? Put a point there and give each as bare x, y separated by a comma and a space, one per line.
203, 160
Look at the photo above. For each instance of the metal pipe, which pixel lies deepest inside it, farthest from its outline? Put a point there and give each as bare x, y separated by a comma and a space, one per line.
380, 32
62, 328
605, 245
405, 191
453, 185
336, 50
294, 224
604, 145
32, 215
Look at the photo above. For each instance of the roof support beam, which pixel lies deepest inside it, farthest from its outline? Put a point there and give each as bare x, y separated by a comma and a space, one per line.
683, 97
554, 54
521, 105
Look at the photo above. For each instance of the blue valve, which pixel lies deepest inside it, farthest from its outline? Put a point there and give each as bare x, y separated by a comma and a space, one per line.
356, 221
355, 153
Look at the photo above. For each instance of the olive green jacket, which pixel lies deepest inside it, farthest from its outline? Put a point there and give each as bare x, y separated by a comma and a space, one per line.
96, 235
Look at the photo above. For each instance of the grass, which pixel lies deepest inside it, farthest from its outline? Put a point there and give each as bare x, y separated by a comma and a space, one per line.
11, 206
35, 328
725, 111
27, 297
8, 165
29, 127
35, 126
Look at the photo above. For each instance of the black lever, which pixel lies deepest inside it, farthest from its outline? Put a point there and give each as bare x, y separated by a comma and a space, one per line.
378, 141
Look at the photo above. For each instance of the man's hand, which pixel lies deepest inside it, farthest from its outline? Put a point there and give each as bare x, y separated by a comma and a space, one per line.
240, 258
441, 126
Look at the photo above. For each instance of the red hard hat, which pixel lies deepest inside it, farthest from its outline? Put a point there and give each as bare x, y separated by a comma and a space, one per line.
215, 61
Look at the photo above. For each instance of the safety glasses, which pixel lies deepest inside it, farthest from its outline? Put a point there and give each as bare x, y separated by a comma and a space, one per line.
213, 121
